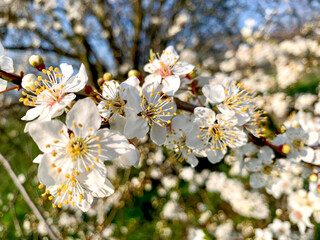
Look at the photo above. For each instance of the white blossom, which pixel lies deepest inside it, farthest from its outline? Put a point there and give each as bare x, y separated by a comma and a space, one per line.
49, 96
166, 69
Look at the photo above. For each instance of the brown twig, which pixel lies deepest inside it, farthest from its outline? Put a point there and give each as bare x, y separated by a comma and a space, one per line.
184, 105
11, 77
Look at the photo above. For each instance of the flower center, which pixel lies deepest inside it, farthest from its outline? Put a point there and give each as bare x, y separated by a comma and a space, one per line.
215, 132
267, 170
298, 144
165, 70
76, 148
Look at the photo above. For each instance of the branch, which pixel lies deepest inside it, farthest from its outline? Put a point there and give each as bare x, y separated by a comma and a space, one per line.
27, 198
184, 105
11, 77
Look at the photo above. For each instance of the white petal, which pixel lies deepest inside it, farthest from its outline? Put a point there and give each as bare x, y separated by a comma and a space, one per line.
6, 64
203, 115
181, 123
257, 180
91, 180
136, 127
193, 141
45, 133
241, 139
84, 118
133, 103
254, 165
242, 118
171, 84
118, 123
266, 155
38, 159
169, 56
152, 78
66, 70
312, 138
279, 140
33, 113
182, 68
47, 174
104, 112
3, 84
130, 158
78, 82
86, 202
215, 156
105, 191
150, 68
110, 89
131, 84
113, 144
214, 93
307, 154
1, 49
192, 160
158, 134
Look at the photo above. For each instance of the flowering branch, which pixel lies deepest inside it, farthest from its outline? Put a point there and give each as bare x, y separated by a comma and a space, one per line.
27, 198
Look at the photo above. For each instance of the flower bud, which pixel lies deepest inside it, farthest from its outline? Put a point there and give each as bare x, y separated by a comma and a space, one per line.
100, 81
134, 72
29, 81
193, 74
285, 148
313, 177
107, 76
37, 62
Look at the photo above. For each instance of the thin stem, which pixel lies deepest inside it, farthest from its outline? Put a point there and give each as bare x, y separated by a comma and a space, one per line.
195, 92
9, 89
27, 198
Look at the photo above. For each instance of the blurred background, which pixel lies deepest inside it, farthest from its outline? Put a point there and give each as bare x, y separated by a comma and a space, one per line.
272, 46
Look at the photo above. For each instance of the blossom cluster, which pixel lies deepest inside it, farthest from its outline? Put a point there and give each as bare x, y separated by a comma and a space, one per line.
193, 117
